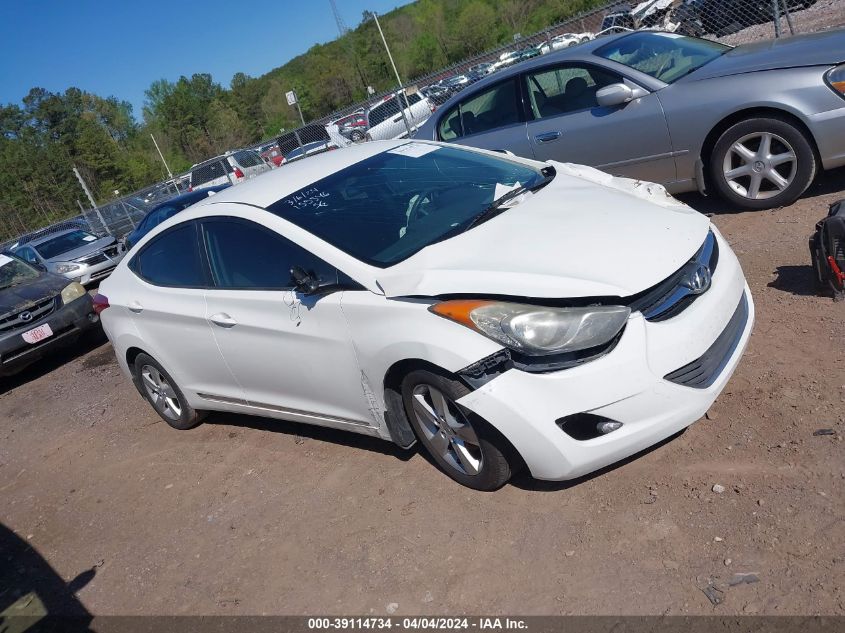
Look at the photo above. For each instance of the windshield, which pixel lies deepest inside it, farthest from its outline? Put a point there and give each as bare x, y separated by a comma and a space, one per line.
664, 56
64, 243
384, 209
13, 271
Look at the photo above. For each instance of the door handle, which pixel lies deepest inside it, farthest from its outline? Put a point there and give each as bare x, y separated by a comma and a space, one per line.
135, 307
397, 119
547, 137
223, 320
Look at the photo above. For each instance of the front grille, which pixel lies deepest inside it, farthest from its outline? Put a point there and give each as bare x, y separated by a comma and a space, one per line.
96, 258
11, 321
669, 298
703, 372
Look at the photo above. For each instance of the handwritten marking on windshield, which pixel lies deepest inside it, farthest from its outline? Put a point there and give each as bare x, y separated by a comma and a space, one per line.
311, 198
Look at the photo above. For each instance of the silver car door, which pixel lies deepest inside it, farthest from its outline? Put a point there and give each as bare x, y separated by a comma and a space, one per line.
490, 119
568, 125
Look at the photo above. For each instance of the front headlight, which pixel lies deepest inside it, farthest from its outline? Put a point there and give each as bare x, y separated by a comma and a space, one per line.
72, 292
65, 268
836, 79
537, 330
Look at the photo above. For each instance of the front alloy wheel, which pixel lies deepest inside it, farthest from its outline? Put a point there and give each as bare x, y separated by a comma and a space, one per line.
760, 163
466, 448
447, 430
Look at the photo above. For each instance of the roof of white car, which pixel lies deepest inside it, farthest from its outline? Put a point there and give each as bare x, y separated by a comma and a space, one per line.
275, 184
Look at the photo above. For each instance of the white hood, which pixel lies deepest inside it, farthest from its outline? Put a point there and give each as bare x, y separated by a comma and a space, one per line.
586, 234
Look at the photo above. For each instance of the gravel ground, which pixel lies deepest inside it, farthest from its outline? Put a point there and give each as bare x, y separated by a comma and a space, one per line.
248, 515
824, 14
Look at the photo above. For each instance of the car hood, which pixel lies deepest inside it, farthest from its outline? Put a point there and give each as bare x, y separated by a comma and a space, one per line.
586, 234
24, 294
86, 249
816, 49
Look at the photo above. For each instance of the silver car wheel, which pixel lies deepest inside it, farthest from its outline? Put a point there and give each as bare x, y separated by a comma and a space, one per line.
161, 393
760, 165
447, 430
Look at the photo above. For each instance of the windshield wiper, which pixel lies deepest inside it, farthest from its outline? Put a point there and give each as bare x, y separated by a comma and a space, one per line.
498, 205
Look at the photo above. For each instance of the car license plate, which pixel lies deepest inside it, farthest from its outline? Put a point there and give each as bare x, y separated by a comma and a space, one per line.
38, 334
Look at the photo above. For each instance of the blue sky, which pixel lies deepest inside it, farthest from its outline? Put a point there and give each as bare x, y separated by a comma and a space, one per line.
119, 47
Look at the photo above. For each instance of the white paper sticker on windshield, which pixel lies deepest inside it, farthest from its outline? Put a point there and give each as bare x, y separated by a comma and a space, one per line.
414, 150
673, 36
4, 260
89, 238
501, 189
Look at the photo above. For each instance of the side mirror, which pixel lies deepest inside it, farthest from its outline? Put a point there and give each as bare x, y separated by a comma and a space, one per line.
304, 282
614, 95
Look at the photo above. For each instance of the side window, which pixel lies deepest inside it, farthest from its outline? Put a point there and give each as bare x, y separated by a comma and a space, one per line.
209, 171
248, 159
27, 255
172, 259
383, 111
414, 98
491, 109
449, 127
244, 255
564, 89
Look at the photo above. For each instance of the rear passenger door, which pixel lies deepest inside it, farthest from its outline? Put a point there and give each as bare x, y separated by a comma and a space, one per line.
168, 309
567, 124
489, 119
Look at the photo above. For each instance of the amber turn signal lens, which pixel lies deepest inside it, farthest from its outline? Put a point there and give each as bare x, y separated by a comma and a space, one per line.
459, 310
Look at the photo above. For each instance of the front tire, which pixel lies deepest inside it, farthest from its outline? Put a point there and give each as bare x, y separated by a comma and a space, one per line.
465, 447
164, 395
761, 163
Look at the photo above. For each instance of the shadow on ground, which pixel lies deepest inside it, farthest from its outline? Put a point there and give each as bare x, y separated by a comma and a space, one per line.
826, 183
311, 432
33, 597
796, 280
85, 344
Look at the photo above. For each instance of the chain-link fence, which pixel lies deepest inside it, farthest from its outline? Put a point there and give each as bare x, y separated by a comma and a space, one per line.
399, 112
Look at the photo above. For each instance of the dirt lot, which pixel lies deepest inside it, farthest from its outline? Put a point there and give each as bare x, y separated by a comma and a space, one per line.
249, 516
824, 14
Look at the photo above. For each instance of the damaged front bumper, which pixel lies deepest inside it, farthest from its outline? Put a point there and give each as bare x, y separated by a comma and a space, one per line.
658, 379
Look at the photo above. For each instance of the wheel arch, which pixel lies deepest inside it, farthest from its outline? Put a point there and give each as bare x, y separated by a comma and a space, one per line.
749, 113
396, 417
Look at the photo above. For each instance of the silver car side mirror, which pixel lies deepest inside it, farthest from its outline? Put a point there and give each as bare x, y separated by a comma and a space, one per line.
614, 95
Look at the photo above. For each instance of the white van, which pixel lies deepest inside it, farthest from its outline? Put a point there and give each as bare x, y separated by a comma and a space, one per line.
232, 167
385, 120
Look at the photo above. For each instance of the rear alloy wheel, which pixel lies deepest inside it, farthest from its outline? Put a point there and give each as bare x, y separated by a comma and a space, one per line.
762, 163
164, 395
462, 444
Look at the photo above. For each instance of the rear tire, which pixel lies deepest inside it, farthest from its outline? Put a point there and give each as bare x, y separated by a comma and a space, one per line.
761, 163
164, 395
465, 446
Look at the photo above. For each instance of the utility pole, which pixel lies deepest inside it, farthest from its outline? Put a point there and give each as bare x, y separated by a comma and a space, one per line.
396, 72
90, 199
161, 156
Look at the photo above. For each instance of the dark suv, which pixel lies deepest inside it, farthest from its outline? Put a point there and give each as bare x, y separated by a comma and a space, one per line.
39, 312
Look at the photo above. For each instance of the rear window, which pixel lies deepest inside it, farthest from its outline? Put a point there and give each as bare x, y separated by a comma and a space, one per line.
210, 171
247, 158
172, 259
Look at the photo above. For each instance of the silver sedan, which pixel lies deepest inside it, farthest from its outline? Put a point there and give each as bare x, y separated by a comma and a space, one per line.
752, 123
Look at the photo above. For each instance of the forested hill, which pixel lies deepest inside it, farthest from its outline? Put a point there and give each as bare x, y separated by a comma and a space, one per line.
195, 117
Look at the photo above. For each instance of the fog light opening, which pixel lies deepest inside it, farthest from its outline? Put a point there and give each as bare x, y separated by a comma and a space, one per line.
608, 427
587, 426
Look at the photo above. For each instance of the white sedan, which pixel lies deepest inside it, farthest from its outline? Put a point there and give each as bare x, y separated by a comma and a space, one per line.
501, 311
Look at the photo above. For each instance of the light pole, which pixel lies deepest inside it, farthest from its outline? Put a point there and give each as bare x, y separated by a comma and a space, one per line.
396, 72
161, 156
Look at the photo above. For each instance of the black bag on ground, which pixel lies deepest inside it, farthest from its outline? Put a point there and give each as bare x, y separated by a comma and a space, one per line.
827, 251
